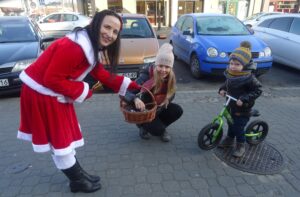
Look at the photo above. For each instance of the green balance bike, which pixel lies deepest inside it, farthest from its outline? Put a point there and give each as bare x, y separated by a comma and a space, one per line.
210, 135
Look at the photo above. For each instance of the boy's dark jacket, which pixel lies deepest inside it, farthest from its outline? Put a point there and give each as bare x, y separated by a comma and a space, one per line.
247, 89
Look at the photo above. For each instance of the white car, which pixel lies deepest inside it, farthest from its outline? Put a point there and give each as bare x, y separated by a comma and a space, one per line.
59, 23
254, 19
282, 34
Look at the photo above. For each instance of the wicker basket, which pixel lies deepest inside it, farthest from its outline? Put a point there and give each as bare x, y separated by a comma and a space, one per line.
138, 117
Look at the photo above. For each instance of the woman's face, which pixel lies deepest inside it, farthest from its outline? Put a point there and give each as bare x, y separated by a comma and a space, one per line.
235, 65
163, 71
109, 30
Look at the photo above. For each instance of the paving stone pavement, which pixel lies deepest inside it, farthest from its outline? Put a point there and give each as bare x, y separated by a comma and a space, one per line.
130, 166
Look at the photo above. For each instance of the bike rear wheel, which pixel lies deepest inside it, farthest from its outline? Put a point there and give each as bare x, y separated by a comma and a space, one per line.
259, 129
205, 137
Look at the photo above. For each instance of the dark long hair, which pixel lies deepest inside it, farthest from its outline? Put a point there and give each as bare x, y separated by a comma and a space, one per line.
112, 51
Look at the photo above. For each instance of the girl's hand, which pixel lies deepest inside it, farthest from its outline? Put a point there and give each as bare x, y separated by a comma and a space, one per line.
239, 103
222, 93
139, 104
165, 104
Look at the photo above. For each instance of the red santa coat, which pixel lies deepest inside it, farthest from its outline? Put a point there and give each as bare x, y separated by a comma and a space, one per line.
51, 85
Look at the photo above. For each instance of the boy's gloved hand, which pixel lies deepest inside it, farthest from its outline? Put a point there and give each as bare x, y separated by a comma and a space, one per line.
222, 93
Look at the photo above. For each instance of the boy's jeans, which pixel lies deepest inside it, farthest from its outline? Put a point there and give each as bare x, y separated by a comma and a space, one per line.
237, 128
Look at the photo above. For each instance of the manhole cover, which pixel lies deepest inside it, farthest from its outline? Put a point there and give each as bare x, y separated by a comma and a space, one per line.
259, 159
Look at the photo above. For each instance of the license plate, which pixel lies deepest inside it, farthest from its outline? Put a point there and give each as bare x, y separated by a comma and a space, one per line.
4, 82
129, 75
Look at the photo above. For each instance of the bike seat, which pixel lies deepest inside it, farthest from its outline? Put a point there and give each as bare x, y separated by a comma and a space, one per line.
254, 112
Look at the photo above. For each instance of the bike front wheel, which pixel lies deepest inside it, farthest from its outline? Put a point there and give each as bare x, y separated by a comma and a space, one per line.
256, 132
207, 138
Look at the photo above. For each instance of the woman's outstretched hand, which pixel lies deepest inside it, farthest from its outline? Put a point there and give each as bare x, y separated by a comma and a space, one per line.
139, 104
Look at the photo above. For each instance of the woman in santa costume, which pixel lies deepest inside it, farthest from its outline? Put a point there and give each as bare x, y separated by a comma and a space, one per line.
55, 81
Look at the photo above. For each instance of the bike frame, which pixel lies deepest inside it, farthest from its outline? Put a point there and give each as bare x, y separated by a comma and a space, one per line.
225, 114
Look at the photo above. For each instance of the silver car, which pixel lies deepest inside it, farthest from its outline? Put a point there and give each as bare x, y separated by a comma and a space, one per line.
282, 34
59, 23
255, 18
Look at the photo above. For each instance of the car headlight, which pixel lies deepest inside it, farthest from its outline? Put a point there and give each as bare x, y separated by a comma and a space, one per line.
212, 52
267, 51
149, 60
21, 65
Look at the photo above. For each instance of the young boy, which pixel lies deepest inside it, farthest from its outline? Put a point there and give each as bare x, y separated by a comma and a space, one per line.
243, 85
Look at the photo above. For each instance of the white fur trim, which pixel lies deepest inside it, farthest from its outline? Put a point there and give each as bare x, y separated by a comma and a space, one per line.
84, 94
36, 86
124, 86
65, 161
24, 136
83, 40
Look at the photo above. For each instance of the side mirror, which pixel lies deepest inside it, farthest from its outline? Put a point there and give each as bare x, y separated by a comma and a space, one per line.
45, 42
187, 32
161, 36
249, 27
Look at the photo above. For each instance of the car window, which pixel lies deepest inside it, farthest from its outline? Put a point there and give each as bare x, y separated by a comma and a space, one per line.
265, 23
52, 19
188, 24
179, 22
136, 28
69, 17
12, 31
295, 27
282, 24
220, 25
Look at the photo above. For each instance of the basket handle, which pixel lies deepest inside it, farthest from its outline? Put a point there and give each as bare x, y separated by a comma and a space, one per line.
152, 96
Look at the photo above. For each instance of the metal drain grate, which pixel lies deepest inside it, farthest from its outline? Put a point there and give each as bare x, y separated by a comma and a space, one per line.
260, 159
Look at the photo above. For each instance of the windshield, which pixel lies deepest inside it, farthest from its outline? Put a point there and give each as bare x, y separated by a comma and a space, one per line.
136, 28
15, 31
220, 25
254, 16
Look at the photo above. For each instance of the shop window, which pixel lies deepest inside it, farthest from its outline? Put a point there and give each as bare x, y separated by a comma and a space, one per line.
115, 5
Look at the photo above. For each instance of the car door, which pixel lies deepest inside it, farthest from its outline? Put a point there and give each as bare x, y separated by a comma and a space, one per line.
293, 42
277, 33
50, 23
69, 22
186, 38
175, 36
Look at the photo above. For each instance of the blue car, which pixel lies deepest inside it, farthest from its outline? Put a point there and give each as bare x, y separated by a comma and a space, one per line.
20, 44
205, 41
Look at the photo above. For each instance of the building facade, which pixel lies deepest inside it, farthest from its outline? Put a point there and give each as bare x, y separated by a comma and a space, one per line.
159, 12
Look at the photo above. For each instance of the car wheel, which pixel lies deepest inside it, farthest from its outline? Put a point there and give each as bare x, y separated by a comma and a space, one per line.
175, 56
195, 67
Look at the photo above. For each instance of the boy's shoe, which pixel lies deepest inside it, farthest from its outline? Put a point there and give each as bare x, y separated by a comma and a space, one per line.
227, 142
239, 150
165, 137
144, 134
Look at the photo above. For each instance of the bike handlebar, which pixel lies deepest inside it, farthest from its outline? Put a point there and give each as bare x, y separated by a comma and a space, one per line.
231, 98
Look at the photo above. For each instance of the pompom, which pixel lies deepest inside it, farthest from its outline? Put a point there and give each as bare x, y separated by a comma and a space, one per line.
246, 44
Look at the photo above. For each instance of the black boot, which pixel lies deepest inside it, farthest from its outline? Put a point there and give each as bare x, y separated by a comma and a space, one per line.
78, 182
89, 177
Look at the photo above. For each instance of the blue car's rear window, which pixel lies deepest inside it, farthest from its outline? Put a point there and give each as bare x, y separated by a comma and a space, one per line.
220, 25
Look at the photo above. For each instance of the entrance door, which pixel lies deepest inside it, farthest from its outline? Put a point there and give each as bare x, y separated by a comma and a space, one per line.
155, 11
